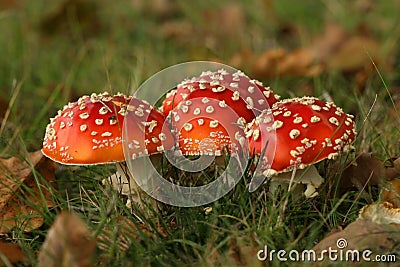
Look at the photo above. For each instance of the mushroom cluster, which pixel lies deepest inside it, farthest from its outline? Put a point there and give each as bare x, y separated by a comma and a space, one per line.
210, 114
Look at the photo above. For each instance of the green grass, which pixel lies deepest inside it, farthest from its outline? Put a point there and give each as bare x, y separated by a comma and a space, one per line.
41, 69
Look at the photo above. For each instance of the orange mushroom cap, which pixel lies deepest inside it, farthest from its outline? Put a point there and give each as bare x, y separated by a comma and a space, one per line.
89, 131
298, 132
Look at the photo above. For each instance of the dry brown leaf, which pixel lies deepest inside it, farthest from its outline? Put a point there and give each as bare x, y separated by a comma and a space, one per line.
266, 64
361, 235
241, 252
12, 252
365, 170
354, 55
300, 62
240, 59
377, 229
280, 63
68, 243
381, 213
331, 39
391, 192
19, 193
340, 51
394, 171
335, 50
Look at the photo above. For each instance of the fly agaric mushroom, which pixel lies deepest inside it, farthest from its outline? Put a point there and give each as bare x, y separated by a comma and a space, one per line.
89, 131
209, 139
245, 96
296, 133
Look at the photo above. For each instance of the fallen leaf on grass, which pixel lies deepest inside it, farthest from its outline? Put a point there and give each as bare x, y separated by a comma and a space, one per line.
377, 229
20, 198
242, 251
279, 62
365, 170
393, 172
11, 252
326, 44
336, 49
354, 55
68, 243
391, 192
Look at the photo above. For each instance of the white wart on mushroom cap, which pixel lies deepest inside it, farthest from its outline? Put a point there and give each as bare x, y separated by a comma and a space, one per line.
244, 95
300, 132
206, 126
89, 131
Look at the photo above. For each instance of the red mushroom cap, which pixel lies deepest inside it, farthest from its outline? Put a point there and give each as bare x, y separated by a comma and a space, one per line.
247, 97
89, 131
206, 126
299, 132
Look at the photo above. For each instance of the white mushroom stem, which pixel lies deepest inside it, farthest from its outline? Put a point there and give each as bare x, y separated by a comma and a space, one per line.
123, 182
309, 177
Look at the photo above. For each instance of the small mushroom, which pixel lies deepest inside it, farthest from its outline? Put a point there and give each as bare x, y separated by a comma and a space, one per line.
296, 133
245, 96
